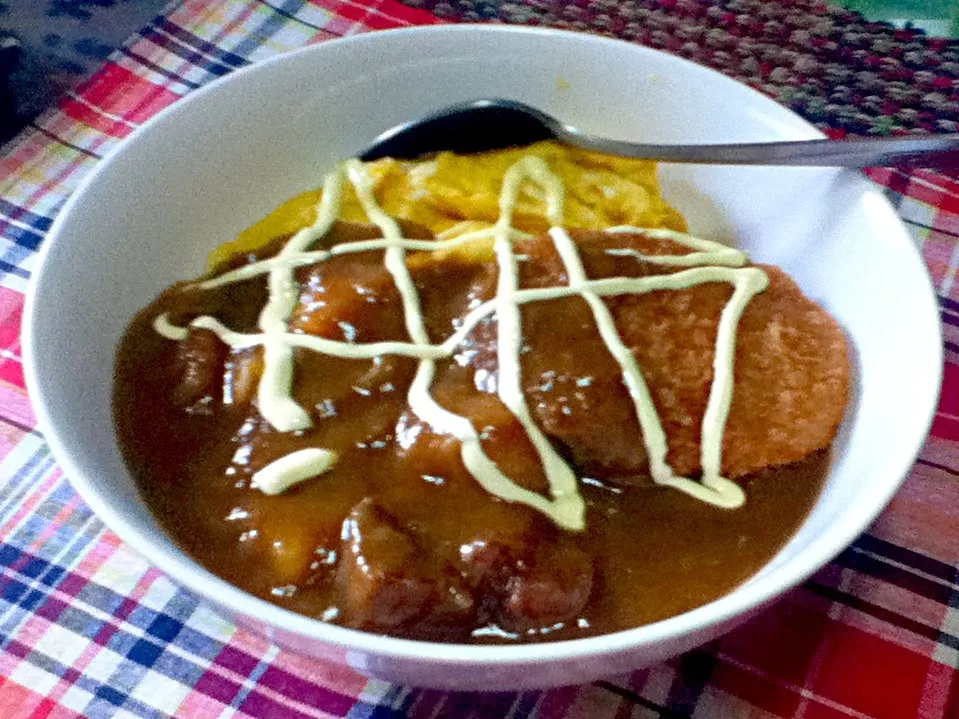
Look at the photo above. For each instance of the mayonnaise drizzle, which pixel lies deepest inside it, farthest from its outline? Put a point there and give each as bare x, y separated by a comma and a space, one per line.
707, 252
568, 506
709, 262
311, 258
163, 326
281, 474
276, 382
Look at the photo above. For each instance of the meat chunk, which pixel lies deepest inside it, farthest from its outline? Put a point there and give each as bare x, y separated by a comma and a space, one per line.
386, 581
199, 364
528, 580
352, 297
553, 585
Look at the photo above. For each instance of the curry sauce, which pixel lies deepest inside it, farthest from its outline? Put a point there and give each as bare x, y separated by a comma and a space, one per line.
560, 435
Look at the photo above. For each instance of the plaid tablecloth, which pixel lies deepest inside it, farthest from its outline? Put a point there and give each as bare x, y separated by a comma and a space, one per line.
88, 628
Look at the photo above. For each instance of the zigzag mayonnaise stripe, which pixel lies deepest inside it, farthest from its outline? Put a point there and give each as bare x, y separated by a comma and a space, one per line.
276, 383
708, 262
607, 287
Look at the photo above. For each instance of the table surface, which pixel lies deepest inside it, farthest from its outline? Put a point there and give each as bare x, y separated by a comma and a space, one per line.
88, 628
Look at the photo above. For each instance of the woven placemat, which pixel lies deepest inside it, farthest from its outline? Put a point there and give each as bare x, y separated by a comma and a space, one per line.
842, 72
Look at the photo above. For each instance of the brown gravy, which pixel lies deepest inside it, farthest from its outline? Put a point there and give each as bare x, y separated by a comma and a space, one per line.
397, 537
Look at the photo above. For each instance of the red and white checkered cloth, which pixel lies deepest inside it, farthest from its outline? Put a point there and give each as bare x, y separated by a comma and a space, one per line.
87, 628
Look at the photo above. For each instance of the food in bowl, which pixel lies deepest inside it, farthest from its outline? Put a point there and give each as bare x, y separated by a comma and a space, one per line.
491, 398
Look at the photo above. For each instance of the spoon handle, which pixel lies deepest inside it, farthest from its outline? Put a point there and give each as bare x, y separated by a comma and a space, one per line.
931, 151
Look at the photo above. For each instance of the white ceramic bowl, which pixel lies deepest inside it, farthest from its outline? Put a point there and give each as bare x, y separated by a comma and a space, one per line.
216, 162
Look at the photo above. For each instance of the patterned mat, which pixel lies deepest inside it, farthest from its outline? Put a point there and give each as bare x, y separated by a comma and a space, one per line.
829, 64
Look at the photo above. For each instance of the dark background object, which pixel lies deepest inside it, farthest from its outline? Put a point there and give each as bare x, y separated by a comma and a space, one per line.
61, 42
10, 51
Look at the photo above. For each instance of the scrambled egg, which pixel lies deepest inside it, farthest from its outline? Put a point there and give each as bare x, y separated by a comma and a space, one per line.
454, 194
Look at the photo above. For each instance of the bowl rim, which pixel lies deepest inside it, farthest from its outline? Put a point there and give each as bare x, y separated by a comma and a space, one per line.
191, 576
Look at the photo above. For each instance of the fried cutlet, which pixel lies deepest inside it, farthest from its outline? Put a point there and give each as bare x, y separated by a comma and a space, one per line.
792, 369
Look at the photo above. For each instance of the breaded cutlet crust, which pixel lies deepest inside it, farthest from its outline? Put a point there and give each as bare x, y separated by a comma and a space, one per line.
792, 368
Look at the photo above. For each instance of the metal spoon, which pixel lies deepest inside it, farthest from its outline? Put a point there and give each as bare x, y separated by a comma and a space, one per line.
496, 123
